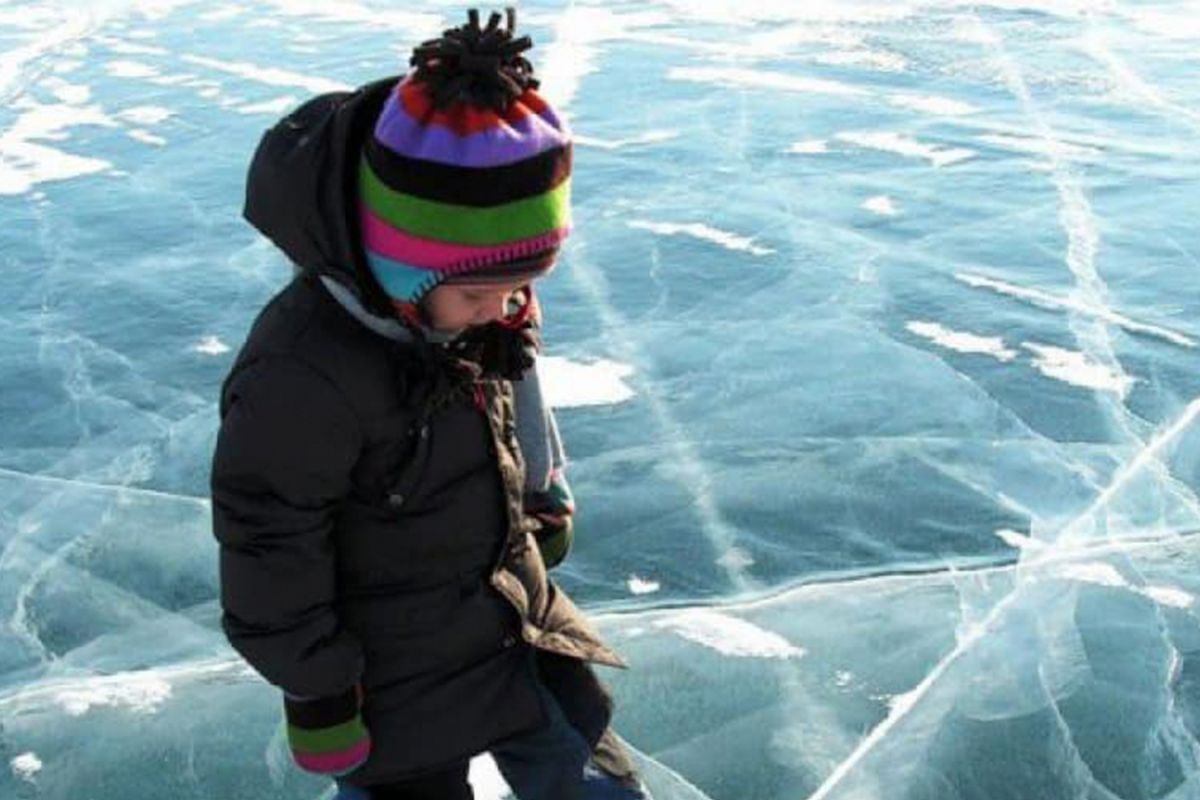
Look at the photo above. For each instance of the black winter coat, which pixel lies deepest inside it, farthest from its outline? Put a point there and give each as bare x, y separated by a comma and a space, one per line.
369, 516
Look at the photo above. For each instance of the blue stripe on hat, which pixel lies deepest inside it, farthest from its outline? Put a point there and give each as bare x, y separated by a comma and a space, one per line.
400, 281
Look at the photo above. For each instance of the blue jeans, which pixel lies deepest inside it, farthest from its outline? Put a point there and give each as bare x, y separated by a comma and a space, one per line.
551, 763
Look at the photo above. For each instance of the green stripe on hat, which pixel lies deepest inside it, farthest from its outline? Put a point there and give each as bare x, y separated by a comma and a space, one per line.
444, 222
326, 740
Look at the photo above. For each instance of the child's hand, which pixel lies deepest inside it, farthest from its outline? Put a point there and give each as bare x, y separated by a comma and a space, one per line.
326, 734
551, 516
554, 534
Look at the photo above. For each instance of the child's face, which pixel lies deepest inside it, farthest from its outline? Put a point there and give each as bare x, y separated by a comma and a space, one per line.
453, 308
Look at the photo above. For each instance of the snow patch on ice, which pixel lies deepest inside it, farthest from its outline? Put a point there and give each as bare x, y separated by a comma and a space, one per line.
25, 163
809, 146
741, 77
146, 115
277, 106
649, 137
146, 137
211, 345
642, 586
272, 76
130, 69
738, 12
572, 384
26, 765
932, 104
1018, 540
1050, 300
124, 48
893, 142
707, 233
574, 51
1077, 369
1169, 596
873, 59
1039, 146
880, 204
141, 692
69, 93
961, 341
728, 635
374, 16
223, 13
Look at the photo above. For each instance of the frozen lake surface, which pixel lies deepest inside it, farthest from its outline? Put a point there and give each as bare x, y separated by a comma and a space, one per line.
876, 352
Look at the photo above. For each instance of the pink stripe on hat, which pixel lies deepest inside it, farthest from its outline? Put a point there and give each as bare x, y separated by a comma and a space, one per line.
416, 251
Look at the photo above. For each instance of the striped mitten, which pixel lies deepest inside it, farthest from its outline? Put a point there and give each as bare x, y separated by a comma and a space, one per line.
326, 734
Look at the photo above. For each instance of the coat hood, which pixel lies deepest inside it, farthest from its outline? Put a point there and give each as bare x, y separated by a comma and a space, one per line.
301, 190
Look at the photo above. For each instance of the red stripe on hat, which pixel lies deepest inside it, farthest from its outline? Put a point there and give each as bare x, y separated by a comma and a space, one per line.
463, 118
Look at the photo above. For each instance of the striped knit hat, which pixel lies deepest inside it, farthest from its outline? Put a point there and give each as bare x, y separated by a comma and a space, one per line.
467, 174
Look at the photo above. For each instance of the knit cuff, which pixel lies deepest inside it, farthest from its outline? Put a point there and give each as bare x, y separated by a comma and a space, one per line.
326, 734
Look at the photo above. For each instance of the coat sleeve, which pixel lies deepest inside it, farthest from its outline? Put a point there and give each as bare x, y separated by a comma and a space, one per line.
287, 443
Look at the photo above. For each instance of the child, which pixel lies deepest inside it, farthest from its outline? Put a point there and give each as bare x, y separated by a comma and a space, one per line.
387, 486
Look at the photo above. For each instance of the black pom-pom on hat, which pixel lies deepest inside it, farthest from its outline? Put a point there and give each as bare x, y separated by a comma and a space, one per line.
482, 66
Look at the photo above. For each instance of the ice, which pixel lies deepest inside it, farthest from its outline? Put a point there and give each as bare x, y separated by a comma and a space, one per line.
735, 77
873, 351
706, 233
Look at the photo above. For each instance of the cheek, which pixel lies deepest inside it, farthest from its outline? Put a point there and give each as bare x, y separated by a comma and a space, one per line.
449, 312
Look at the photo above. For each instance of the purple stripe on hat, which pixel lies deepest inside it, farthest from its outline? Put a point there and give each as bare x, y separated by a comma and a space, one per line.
534, 134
